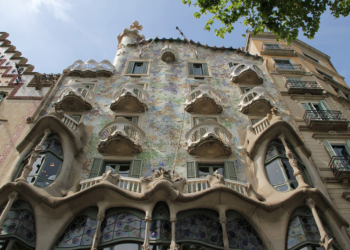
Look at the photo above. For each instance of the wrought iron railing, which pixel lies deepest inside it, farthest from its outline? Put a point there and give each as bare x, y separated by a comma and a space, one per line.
339, 163
288, 66
302, 85
323, 115
277, 46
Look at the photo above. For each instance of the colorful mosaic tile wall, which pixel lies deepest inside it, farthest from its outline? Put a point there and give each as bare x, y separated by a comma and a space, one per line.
168, 86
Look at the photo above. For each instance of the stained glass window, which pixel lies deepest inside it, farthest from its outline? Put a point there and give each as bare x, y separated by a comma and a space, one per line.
19, 222
241, 235
303, 229
160, 230
201, 228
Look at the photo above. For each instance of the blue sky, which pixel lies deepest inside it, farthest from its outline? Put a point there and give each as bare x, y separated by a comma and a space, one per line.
53, 34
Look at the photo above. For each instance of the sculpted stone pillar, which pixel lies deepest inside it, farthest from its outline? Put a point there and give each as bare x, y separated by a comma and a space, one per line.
146, 245
47, 132
325, 240
223, 222
294, 163
12, 197
96, 240
173, 245
28, 168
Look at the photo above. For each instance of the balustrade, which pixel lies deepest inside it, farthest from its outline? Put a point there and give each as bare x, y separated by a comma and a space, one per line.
302, 87
257, 95
70, 122
91, 68
126, 183
247, 73
261, 125
325, 119
195, 185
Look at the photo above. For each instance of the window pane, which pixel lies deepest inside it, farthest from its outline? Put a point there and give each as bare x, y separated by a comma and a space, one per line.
137, 68
126, 246
108, 167
50, 167
124, 170
274, 172
197, 68
220, 170
203, 172
289, 170
282, 188
340, 150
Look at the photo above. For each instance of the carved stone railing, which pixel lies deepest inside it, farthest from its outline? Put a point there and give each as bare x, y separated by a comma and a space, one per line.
246, 73
256, 101
209, 139
277, 50
276, 46
70, 122
302, 87
296, 68
91, 68
326, 119
75, 97
126, 134
126, 183
195, 185
260, 126
203, 100
130, 98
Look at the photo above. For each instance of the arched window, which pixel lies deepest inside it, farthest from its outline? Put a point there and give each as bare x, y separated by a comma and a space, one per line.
198, 228
47, 166
278, 169
241, 235
160, 227
18, 229
303, 233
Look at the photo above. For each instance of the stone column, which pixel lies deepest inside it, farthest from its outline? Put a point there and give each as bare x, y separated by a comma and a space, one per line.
47, 132
173, 245
223, 222
146, 245
28, 168
12, 197
96, 240
294, 163
325, 240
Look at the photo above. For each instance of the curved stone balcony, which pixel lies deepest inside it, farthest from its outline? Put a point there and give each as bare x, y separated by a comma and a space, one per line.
121, 138
203, 100
75, 98
130, 98
91, 68
209, 139
256, 102
246, 73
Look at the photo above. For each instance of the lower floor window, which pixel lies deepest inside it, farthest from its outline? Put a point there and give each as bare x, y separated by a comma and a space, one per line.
12, 244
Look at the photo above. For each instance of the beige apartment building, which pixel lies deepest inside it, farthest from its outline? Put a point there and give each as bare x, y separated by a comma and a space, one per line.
180, 145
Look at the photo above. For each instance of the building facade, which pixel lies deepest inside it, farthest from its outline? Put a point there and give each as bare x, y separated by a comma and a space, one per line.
176, 145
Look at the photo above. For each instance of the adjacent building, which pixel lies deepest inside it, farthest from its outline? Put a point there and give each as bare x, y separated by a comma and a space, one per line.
180, 145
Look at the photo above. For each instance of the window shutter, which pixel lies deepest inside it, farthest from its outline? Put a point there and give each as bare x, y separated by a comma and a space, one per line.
230, 64
131, 68
306, 106
116, 168
230, 170
192, 169
97, 166
135, 120
329, 148
144, 67
135, 169
2, 97
347, 147
323, 105
205, 69
190, 69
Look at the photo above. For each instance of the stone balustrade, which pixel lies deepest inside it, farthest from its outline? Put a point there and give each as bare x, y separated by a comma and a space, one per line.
126, 183
246, 73
256, 101
70, 122
203, 100
130, 98
91, 68
260, 126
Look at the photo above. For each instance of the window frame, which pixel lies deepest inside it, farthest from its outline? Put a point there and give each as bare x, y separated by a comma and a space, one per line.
200, 77
116, 163
76, 114
137, 61
193, 116
138, 115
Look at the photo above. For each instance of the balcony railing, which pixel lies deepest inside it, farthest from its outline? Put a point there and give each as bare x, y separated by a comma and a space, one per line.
302, 87
122, 98
195, 185
280, 66
261, 125
204, 93
276, 47
340, 166
91, 68
121, 129
247, 73
126, 183
252, 97
76, 97
323, 115
70, 122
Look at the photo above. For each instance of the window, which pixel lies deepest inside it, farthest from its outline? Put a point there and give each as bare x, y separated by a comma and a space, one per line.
245, 89
319, 111
284, 64
2, 97
46, 168
325, 74
126, 169
198, 69
338, 150
75, 117
272, 46
310, 57
197, 120
232, 64
84, 92
227, 169
133, 119
137, 68
278, 169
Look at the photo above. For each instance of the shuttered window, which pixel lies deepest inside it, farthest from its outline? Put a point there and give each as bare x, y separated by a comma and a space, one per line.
192, 169
97, 167
137, 68
136, 168
133, 119
230, 170
198, 69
